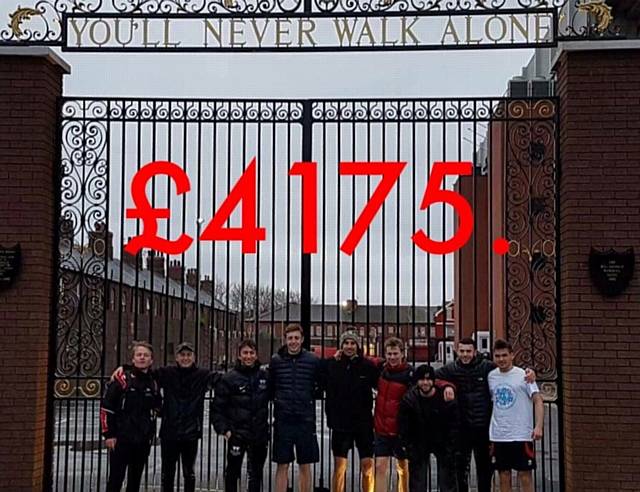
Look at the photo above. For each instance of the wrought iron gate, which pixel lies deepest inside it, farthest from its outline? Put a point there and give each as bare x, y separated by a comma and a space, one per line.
214, 295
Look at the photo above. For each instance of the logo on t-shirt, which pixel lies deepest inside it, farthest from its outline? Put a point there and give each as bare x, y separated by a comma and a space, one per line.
505, 397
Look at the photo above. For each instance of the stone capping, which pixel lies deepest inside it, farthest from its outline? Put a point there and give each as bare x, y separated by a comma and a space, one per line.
623, 44
37, 51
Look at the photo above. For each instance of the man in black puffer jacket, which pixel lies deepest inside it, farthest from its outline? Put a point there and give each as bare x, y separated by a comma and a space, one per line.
240, 412
295, 379
184, 386
469, 373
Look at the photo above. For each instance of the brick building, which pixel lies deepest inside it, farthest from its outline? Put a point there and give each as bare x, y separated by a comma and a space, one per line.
593, 359
420, 327
145, 297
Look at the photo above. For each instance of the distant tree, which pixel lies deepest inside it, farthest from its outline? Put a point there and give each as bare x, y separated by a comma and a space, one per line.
246, 298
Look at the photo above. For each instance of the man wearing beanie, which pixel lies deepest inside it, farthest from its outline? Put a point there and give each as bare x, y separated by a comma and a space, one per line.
349, 380
428, 424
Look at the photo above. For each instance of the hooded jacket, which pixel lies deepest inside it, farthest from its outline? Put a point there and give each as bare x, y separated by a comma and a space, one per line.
241, 404
474, 398
295, 380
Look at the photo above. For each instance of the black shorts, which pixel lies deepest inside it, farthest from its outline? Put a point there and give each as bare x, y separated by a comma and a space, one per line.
301, 436
516, 455
342, 443
389, 446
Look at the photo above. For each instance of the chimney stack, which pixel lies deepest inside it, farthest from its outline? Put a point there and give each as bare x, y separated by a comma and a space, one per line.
156, 263
176, 271
192, 278
206, 285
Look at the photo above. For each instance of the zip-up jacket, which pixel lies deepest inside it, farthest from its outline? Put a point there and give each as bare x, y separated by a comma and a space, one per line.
295, 381
392, 385
474, 398
129, 409
184, 391
348, 383
241, 404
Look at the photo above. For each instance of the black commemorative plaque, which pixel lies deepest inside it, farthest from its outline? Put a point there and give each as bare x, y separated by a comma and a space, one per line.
10, 261
611, 271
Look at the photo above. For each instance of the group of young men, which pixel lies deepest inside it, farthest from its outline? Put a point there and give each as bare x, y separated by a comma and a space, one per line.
468, 406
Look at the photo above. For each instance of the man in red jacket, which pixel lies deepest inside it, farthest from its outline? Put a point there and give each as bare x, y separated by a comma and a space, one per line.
394, 381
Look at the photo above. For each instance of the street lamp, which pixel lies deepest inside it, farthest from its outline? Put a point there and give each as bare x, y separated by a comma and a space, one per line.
349, 306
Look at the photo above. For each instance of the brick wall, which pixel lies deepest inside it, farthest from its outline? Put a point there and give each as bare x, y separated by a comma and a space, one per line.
29, 87
471, 263
600, 207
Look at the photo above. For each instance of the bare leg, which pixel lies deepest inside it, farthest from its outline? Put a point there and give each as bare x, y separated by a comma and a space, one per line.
403, 475
526, 482
305, 478
339, 471
382, 467
366, 474
282, 470
505, 481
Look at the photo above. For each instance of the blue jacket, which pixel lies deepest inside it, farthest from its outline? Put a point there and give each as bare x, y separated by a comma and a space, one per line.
295, 380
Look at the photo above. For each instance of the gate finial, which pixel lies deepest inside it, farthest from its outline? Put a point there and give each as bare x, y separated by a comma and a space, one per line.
20, 15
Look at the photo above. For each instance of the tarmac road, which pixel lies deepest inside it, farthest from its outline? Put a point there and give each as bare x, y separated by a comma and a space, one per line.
80, 460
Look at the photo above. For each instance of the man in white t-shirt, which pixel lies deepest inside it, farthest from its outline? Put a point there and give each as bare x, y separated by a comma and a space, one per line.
512, 431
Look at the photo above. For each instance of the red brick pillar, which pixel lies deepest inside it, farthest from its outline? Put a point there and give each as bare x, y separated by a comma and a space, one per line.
30, 84
600, 207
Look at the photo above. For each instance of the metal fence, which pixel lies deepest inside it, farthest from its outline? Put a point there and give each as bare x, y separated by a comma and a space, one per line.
214, 295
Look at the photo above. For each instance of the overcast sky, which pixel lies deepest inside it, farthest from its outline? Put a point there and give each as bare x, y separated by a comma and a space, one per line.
429, 74
349, 75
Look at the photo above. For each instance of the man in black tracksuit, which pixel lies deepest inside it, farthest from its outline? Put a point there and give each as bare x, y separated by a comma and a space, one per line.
469, 372
349, 381
240, 412
128, 418
184, 386
428, 424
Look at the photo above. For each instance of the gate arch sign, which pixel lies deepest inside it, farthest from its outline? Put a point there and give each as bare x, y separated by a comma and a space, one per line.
305, 25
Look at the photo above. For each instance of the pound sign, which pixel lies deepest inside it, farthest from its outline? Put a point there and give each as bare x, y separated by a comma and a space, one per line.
149, 215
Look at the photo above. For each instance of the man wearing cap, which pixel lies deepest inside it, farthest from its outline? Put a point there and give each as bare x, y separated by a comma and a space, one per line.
428, 425
349, 380
184, 386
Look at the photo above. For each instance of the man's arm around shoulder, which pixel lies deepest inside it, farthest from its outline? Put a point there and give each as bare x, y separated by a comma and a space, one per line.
538, 409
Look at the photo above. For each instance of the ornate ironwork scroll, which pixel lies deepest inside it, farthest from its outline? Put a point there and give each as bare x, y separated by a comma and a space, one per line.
182, 111
530, 220
434, 111
81, 289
